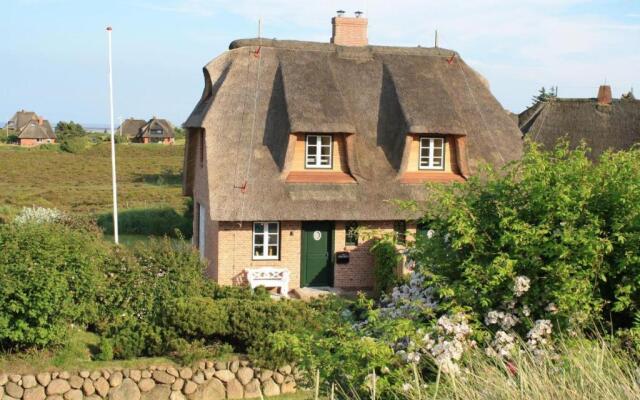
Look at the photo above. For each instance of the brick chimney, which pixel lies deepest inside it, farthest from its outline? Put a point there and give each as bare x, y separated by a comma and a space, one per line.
604, 95
349, 31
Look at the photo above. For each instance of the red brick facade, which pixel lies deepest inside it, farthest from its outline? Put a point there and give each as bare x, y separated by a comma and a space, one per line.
349, 31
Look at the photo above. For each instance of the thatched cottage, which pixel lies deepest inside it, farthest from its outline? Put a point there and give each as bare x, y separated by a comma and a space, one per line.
30, 129
293, 144
602, 122
156, 130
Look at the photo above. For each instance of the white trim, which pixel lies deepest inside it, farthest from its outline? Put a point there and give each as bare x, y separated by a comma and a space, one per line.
318, 153
431, 144
265, 241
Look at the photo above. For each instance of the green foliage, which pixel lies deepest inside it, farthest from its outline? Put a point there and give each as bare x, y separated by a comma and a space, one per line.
567, 224
148, 221
49, 276
74, 144
544, 95
105, 350
386, 258
69, 129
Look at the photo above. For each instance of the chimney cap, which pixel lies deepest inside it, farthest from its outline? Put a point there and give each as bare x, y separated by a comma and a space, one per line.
359, 13
604, 95
340, 13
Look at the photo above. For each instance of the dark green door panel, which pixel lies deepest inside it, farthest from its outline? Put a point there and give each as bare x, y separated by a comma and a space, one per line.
317, 253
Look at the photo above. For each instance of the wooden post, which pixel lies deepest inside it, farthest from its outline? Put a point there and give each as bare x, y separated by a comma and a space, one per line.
333, 388
317, 389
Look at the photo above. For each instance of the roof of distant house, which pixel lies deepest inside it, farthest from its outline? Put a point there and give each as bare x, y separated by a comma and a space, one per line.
602, 123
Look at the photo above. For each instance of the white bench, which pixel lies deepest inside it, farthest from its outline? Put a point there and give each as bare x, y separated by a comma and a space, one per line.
269, 278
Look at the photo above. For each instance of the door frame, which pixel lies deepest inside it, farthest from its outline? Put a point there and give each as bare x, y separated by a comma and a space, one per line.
303, 248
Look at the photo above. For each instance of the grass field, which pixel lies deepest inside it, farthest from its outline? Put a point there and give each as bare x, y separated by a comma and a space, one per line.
149, 176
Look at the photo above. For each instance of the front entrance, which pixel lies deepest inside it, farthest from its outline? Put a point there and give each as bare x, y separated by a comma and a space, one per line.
317, 254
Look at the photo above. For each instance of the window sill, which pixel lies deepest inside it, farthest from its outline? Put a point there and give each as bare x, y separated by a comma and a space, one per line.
319, 177
430, 176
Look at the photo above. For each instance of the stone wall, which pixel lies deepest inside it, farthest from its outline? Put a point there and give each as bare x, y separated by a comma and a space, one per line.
206, 380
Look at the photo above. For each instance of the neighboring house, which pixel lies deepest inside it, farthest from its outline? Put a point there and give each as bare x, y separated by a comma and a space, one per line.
155, 130
602, 123
30, 129
293, 144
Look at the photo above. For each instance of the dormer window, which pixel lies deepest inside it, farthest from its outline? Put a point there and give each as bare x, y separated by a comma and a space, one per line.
156, 132
318, 152
431, 153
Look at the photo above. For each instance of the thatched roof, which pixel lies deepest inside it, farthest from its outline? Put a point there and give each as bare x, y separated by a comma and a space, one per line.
260, 91
157, 123
130, 127
37, 129
613, 126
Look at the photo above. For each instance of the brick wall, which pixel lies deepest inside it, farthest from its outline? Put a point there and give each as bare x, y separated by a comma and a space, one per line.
349, 31
235, 248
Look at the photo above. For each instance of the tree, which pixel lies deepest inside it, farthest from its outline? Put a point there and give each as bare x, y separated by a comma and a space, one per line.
67, 129
544, 95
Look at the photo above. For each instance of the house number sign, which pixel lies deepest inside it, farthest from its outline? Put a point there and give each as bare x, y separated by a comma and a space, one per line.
317, 235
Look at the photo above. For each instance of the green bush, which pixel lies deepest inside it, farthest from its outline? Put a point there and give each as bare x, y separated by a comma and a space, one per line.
386, 259
105, 350
49, 276
148, 221
572, 227
74, 144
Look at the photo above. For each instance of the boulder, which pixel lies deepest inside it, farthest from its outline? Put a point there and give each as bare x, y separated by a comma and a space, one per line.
64, 375
186, 373
212, 390
127, 391
189, 387
95, 375
88, 388
234, 366
163, 377
116, 379
76, 382
278, 377
159, 392
252, 389
14, 390
102, 387
198, 378
43, 378
225, 375
173, 372
15, 378
286, 370
135, 374
270, 388
178, 384
84, 374
177, 396
235, 390
288, 387
3, 378
219, 365
208, 373
73, 394
145, 374
265, 375
146, 384
93, 397
208, 364
58, 386
29, 381
36, 393
244, 375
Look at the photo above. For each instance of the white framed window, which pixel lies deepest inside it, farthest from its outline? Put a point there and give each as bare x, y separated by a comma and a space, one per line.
431, 153
318, 151
266, 240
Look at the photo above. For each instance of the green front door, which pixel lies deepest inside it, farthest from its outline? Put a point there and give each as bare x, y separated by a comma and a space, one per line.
317, 254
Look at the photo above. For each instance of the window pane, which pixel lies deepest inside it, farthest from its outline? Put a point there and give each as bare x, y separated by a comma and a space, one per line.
312, 140
258, 227
325, 150
273, 239
311, 160
273, 227
258, 239
325, 160
258, 251
326, 140
273, 251
437, 152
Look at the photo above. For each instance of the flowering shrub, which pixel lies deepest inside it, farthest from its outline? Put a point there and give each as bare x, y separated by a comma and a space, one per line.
552, 237
38, 215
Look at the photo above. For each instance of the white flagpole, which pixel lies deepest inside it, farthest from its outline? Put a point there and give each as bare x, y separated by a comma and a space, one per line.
113, 145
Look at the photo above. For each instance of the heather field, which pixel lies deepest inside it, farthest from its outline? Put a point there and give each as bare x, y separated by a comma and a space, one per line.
149, 176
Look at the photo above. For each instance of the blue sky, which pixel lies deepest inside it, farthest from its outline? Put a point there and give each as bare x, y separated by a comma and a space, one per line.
53, 52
